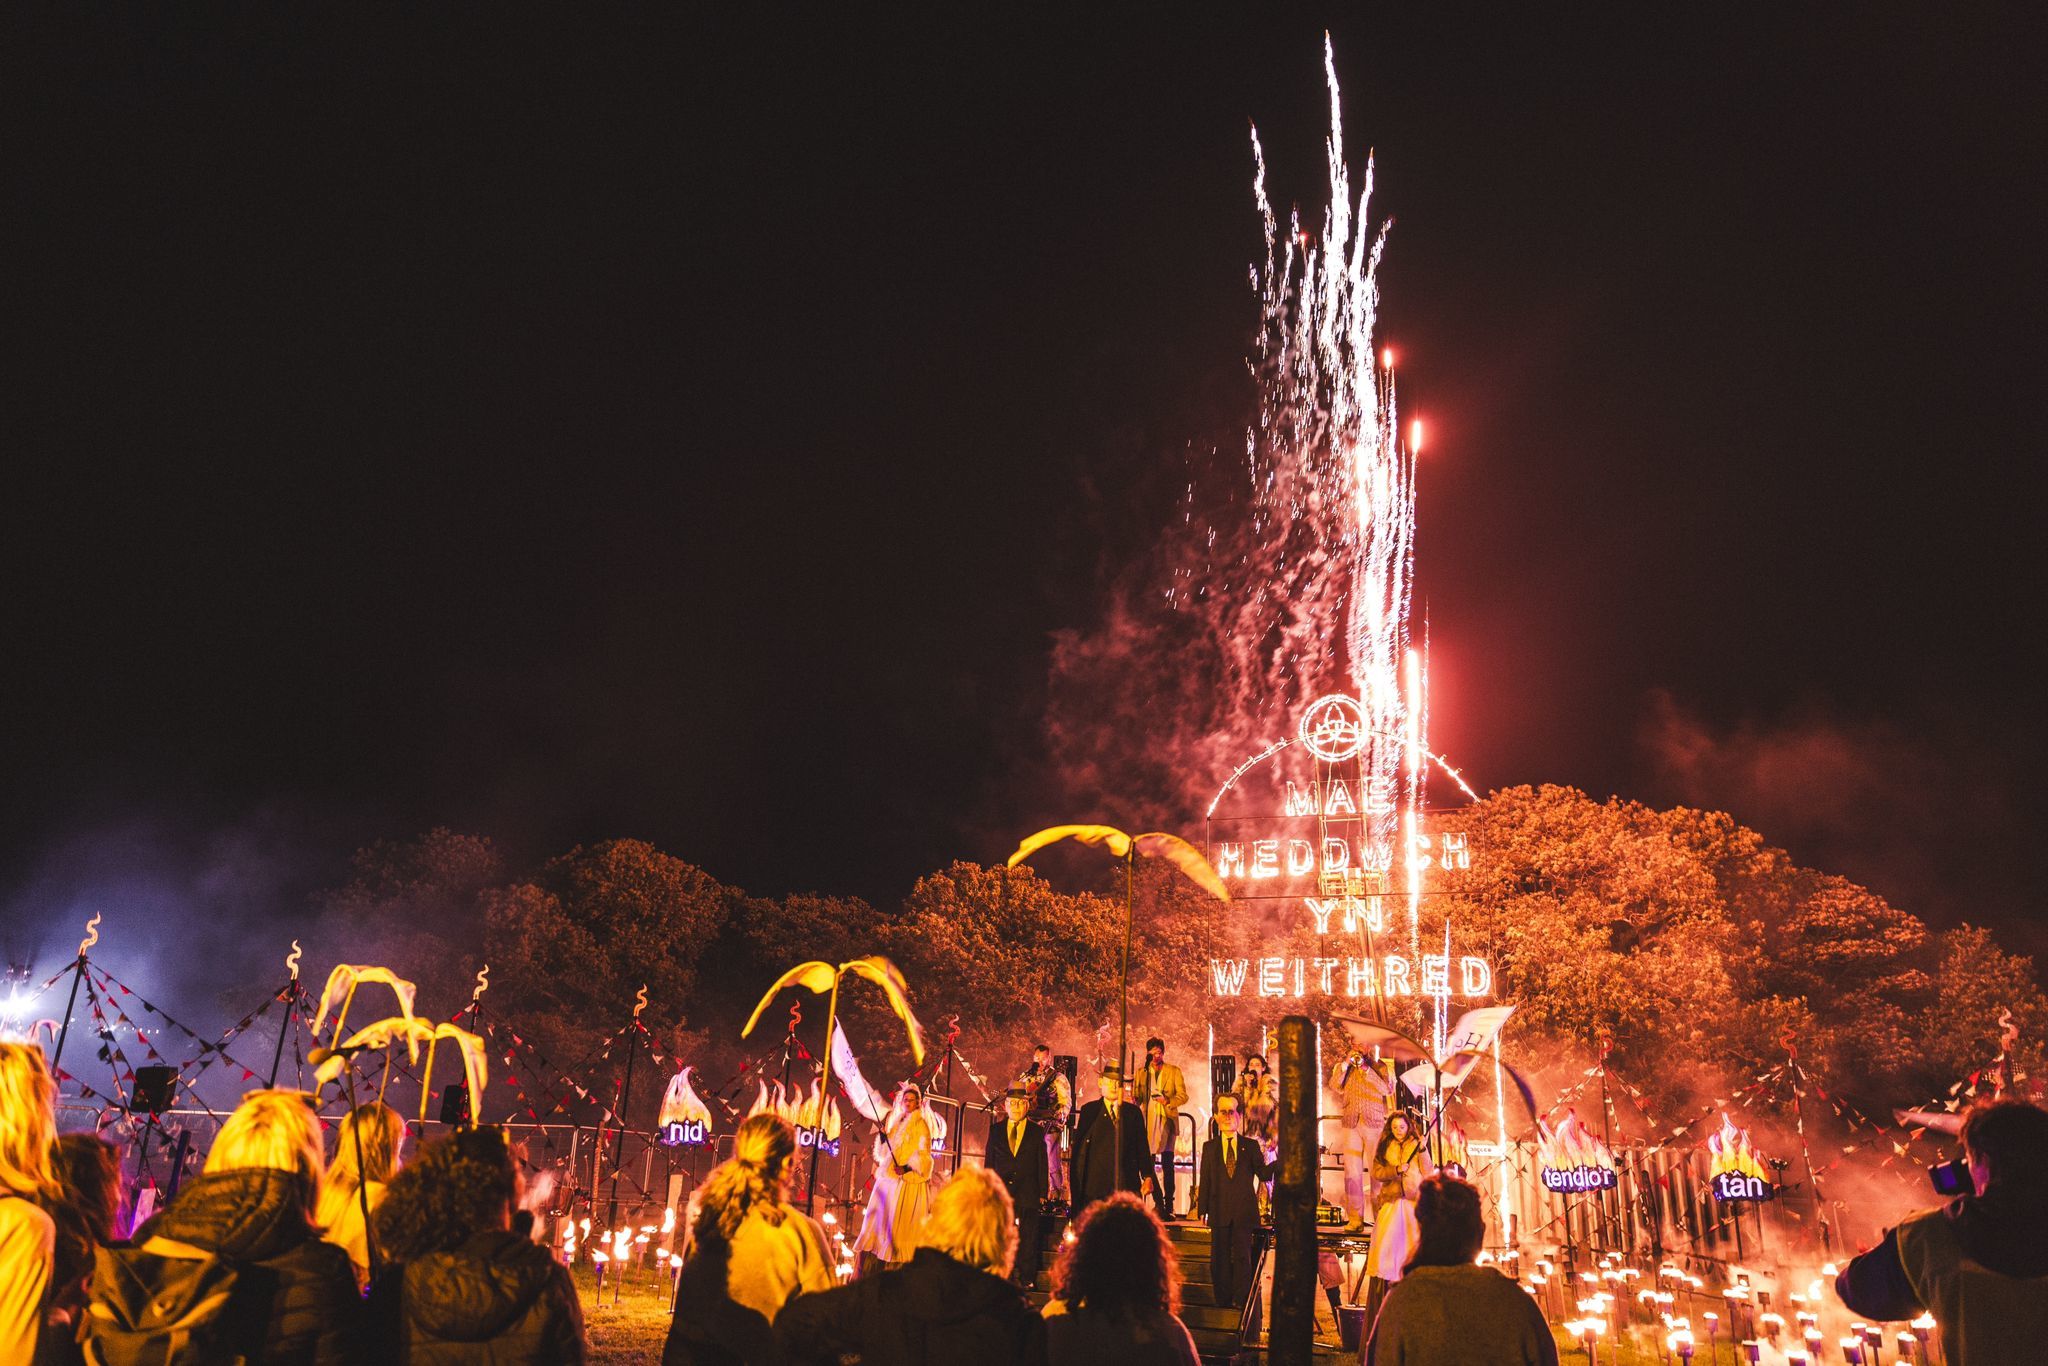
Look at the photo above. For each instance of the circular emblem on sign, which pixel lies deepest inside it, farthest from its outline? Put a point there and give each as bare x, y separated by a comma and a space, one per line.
1333, 728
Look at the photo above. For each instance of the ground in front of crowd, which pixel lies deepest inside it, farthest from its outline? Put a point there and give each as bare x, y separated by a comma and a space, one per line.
631, 1331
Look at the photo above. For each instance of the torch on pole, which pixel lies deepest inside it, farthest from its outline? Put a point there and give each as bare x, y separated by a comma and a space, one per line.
625, 1102
92, 937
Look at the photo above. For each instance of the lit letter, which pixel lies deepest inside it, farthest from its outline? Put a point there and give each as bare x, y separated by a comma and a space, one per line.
1379, 795
1326, 966
1455, 852
1230, 860
1397, 976
1321, 911
1336, 855
1340, 802
1358, 979
1379, 858
1265, 858
1301, 858
1478, 975
1418, 850
1228, 975
1272, 977
1436, 975
1298, 983
1370, 911
1301, 801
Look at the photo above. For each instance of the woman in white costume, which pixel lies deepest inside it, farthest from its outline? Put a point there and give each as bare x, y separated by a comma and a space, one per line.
902, 1194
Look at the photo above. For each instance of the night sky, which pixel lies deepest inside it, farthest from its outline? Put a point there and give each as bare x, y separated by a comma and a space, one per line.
584, 428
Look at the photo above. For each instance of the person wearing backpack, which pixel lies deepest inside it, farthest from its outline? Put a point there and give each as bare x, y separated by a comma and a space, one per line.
234, 1268
461, 1286
28, 1182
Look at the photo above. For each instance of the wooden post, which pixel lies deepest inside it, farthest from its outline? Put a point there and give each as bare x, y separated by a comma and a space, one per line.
1292, 1339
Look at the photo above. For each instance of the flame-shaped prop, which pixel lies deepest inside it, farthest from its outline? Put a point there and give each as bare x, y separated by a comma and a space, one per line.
680, 1104
413, 1032
92, 934
1157, 844
1736, 1171
1573, 1158
341, 987
803, 1109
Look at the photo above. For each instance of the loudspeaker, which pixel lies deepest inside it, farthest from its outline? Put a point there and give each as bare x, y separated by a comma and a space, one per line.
455, 1104
1069, 1066
1222, 1074
154, 1089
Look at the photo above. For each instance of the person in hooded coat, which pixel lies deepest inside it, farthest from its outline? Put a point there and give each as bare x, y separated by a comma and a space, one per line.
464, 1289
294, 1298
1979, 1264
952, 1303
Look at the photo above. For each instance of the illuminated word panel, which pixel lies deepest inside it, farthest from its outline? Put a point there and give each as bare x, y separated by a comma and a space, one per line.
1295, 863
1387, 975
690, 1134
807, 1137
1738, 1186
1574, 1179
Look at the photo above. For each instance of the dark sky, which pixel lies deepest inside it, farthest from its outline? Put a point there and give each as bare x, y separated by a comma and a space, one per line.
696, 431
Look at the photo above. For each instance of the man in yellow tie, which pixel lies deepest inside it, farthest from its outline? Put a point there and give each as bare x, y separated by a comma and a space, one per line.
1228, 1197
1016, 1154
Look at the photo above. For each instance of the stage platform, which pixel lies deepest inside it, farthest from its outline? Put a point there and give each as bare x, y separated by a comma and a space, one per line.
1220, 1330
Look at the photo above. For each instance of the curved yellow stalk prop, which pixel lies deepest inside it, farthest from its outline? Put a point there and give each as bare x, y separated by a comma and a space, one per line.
1185, 857
413, 1032
883, 974
1118, 842
342, 984
813, 976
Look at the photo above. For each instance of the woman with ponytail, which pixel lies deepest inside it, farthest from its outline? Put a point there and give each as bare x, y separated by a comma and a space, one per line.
749, 1252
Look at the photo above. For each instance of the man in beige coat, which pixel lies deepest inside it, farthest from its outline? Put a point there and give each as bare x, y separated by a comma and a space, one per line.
1161, 1092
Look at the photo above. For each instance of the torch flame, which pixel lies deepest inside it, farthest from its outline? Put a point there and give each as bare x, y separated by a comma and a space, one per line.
1731, 1152
1570, 1145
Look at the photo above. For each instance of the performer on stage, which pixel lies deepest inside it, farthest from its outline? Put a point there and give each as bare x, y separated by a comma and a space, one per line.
1363, 1095
1228, 1189
1052, 1103
901, 1197
1095, 1174
1161, 1091
1016, 1154
1258, 1097
1399, 1167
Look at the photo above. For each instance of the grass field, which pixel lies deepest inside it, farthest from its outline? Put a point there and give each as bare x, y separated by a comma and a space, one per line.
632, 1330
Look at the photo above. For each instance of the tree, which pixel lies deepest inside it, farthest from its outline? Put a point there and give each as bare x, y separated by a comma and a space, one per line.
416, 906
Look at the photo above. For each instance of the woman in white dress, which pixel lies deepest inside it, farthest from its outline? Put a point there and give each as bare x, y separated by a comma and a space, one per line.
901, 1198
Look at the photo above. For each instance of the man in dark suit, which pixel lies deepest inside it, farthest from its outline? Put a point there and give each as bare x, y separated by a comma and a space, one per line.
1096, 1173
1232, 1167
1016, 1154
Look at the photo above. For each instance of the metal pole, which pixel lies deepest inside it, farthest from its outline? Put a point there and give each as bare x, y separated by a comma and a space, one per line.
288, 994
825, 1085
1291, 1341
1123, 1028
625, 1100
64, 1031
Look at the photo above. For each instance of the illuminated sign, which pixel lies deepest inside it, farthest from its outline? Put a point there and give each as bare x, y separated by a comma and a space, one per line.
1736, 1171
807, 1137
681, 1134
1333, 728
1572, 1160
1352, 976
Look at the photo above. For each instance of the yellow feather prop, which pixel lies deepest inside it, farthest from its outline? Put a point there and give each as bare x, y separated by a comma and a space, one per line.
342, 984
814, 976
1118, 842
1185, 857
883, 974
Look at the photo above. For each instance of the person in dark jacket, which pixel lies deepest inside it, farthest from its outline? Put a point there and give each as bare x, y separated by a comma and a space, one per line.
1016, 1154
1096, 1174
1232, 1167
1446, 1310
1117, 1292
294, 1298
1979, 1264
464, 1290
952, 1304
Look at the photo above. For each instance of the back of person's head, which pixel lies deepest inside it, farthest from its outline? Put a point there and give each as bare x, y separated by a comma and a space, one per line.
1453, 1225
2010, 1140
276, 1131
380, 1130
457, 1186
972, 1221
89, 1170
28, 1122
1120, 1261
751, 1179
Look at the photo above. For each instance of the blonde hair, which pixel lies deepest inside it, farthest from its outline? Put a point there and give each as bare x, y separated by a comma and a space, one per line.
381, 1130
28, 1122
972, 1221
273, 1130
751, 1179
